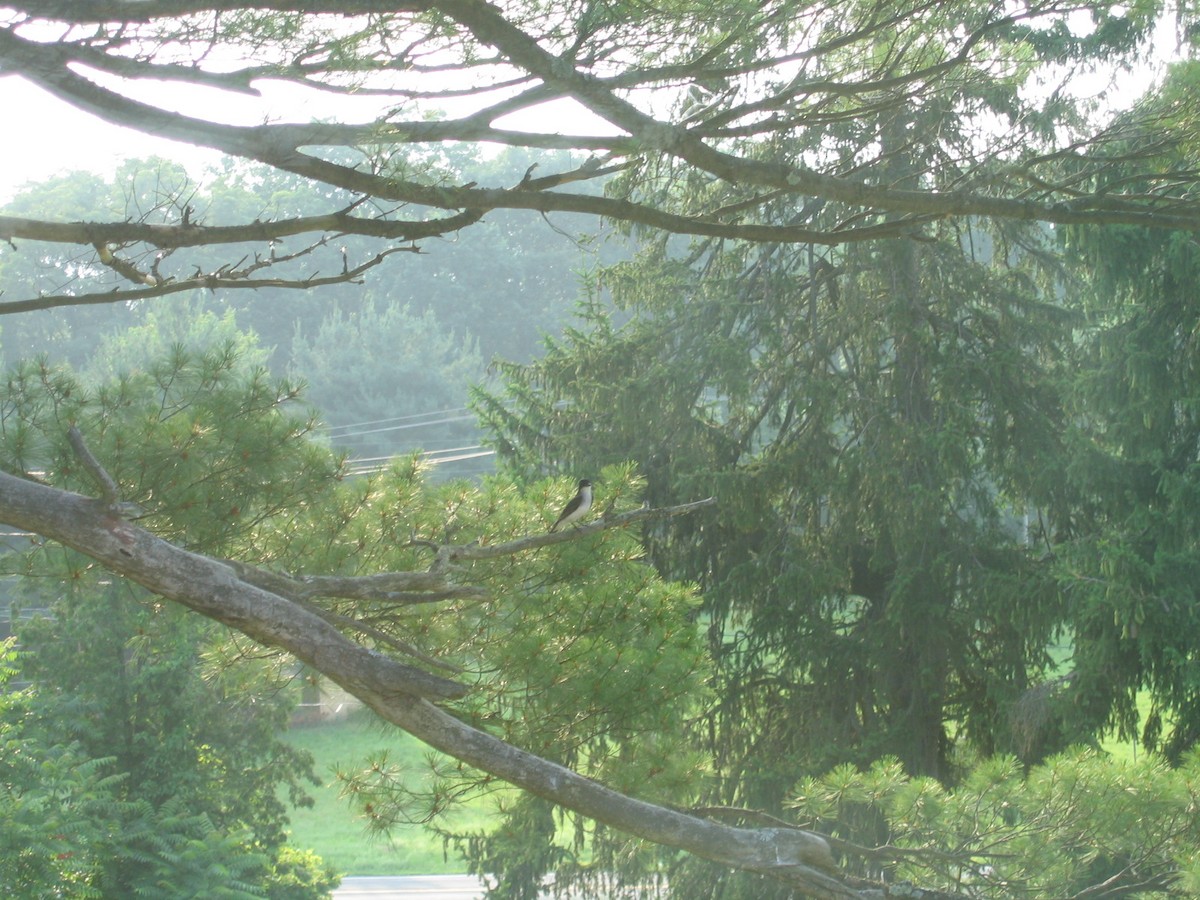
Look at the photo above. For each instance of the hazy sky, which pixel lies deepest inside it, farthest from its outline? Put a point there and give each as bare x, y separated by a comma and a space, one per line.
46, 136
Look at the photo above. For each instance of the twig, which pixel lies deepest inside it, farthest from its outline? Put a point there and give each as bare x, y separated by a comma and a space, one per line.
508, 548
382, 636
201, 280
108, 486
109, 492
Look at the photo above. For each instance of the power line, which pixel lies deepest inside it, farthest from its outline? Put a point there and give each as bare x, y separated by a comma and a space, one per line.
444, 421
435, 412
424, 452
375, 465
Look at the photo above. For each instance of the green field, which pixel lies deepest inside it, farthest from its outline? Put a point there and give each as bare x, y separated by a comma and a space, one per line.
331, 829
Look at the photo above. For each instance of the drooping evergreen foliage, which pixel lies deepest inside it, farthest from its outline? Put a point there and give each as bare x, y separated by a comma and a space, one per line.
1060, 829
1128, 560
871, 443
874, 420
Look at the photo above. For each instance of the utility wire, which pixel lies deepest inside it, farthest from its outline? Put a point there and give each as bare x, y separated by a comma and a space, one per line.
357, 460
405, 418
338, 437
356, 467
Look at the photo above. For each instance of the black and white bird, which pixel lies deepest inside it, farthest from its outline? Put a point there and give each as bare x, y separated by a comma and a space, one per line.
577, 508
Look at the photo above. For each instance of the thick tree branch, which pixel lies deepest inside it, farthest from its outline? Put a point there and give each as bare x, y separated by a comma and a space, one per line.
522, 54
277, 146
396, 692
490, 26
196, 235
296, 591
789, 855
102, 11
211, 588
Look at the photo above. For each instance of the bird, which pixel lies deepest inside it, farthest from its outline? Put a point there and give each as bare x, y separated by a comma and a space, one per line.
577, 508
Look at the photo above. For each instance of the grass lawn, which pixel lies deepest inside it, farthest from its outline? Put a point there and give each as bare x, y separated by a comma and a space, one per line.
331, 829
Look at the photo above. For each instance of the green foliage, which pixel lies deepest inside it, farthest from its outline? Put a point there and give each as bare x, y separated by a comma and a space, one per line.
1128, 553
933, 460
341, 749
299, 875
880, 424
162, 332
869, 441
581, 654
208, 448
1126, 545
579, 651
45, 843
369, 364
167, 851
69, 823
1070, 825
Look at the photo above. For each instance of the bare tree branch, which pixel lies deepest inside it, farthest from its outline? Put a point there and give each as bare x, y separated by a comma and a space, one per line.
110, 493
533, 541
533, 60
436, 584
201, 281
198, 235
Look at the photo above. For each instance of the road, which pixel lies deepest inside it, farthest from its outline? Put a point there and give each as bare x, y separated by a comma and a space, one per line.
409, 887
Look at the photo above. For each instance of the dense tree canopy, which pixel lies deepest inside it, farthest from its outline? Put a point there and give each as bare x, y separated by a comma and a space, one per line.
861, 348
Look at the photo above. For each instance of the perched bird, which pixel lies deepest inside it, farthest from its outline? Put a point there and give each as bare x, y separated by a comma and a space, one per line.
578, 507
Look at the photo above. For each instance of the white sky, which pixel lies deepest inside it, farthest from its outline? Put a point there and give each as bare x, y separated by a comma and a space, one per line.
46, 136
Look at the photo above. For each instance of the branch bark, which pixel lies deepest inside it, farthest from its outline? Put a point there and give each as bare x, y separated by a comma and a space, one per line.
400, 694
